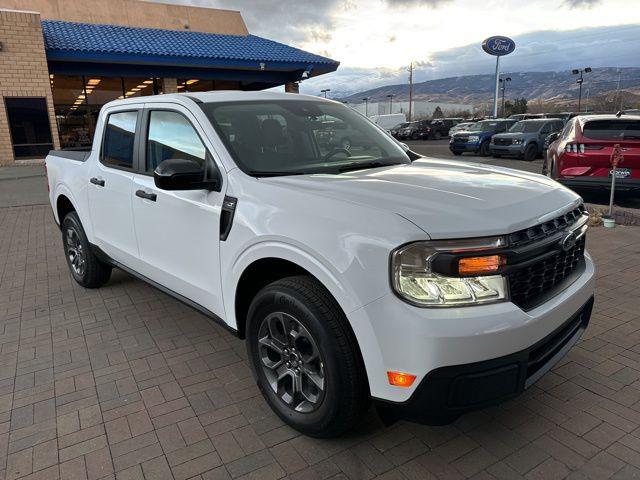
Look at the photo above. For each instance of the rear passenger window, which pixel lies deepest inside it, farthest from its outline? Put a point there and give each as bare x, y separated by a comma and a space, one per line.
119, 136
171, 135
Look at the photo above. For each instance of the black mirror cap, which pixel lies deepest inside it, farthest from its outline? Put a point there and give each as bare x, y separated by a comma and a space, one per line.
182, 174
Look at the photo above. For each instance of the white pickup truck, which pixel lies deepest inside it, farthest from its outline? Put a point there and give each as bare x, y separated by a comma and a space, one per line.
431, 287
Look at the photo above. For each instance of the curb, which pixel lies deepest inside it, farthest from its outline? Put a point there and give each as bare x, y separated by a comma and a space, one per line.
624, 216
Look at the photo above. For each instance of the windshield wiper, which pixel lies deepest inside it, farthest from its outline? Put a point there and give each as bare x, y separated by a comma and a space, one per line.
271, 173
362, 165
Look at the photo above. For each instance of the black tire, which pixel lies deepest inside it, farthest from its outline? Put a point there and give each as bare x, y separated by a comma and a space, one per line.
437, 136
345, 394
415, 136
496, 155
84, 266
530, 153
457, 154
484, 149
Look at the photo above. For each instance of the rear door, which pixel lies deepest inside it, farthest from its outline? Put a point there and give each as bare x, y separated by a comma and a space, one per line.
110, 183
178, 232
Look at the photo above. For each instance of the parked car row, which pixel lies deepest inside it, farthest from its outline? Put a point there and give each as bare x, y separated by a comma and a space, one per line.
424, 129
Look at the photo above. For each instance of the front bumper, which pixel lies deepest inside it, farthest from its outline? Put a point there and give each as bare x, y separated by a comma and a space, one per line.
506, 149
396, 336
602, 183
464, 147
447, 392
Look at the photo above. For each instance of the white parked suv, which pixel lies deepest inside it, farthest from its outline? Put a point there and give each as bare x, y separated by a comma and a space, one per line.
432, 287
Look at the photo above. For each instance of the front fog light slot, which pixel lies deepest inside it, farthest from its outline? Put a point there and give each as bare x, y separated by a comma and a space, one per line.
415, 282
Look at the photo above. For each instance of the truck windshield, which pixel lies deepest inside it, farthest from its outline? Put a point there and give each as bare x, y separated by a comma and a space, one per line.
526, 127
294, 137
484, 126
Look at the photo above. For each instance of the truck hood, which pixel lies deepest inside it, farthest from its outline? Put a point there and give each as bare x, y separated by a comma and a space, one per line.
446, 199
515, 135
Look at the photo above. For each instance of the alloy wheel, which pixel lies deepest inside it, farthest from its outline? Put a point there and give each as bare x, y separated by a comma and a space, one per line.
75, 252
291, 362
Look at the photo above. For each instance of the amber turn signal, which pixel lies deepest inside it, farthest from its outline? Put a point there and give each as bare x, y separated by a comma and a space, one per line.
400, 379
477, 265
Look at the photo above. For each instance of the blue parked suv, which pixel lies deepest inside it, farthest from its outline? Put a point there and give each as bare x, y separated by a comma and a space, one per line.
477, 137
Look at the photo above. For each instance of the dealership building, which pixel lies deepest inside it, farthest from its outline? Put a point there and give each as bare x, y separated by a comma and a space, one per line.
61, 60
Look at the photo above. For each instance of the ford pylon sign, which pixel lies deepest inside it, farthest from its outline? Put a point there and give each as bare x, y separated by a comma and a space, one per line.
498, 46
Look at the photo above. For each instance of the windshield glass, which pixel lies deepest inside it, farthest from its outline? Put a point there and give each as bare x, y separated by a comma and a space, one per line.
484, 126
288, 137
612, 129
526, 127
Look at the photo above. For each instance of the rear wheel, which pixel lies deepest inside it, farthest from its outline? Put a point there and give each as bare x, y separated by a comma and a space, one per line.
457, 154
437, 136
305, 359
530, 152
85, 267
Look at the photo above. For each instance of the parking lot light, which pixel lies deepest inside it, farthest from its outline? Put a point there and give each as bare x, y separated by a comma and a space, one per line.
579, 81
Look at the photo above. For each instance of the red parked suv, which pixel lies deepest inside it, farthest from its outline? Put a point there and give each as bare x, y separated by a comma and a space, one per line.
581, 155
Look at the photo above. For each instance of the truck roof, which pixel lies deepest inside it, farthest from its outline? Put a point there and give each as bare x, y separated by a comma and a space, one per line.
218, 96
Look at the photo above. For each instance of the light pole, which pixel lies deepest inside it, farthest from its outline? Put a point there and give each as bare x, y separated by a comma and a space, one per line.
580, 71
390, 97
325, 91
503, 82
366, 106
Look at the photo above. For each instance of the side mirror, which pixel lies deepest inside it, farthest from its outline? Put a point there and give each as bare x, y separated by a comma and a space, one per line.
182, 174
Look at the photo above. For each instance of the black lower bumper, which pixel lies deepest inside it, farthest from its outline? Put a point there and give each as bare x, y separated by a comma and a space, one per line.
602, 183
448, 392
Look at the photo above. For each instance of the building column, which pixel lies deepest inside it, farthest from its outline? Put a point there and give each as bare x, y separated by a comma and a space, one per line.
292, 87
23, 71
169, 85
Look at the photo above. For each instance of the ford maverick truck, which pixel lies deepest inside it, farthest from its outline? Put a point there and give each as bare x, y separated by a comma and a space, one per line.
355, 275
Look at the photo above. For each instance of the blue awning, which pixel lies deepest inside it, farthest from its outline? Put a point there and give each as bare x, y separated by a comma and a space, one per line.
113, 49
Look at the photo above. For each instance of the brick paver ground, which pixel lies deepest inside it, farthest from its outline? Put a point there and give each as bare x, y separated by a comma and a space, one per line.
124, 382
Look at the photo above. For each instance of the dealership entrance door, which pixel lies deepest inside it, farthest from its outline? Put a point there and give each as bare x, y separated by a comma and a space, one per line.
29, 127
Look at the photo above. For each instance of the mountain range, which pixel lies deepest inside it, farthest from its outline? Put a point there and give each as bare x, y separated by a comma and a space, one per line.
550, 87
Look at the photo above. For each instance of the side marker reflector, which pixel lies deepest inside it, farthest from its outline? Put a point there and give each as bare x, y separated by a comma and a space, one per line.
400, 379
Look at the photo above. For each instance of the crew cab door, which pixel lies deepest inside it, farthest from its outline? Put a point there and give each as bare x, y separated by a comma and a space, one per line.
110, 182
178, 231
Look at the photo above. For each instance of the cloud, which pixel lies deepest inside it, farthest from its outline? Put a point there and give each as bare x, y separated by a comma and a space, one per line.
540, 51
581, 3
416, 3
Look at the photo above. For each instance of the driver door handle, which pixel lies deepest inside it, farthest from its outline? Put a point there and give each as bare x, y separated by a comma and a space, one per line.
97, 181
146, 195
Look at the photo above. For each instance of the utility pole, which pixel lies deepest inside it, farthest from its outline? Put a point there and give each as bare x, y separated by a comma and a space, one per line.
390, 97
410, 90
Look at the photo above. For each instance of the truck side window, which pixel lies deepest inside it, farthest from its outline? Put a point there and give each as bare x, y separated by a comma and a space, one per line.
171, 135
119, 135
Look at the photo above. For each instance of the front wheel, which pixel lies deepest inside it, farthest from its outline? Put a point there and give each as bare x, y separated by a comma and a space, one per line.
484, 149
530, 153
85, 267
305, 358
457, 154
437, 136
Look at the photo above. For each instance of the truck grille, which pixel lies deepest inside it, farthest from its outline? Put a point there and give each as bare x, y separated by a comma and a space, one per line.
502, 141
550, 266
460, 138
527, 285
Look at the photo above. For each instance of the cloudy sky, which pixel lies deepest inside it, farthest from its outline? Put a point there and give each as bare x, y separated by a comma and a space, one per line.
376, 39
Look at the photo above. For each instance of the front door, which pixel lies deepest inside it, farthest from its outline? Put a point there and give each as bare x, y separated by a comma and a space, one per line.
109, 188
178, 231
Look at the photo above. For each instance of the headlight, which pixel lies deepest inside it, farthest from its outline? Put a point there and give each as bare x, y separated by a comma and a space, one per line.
414, 280
517, 141
473, 138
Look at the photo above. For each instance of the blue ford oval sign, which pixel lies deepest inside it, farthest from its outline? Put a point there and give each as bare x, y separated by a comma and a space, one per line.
498, 46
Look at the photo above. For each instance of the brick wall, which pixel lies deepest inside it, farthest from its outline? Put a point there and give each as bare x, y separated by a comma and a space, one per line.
23, 71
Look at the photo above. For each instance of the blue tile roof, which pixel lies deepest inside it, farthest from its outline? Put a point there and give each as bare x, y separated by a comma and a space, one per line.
70, 40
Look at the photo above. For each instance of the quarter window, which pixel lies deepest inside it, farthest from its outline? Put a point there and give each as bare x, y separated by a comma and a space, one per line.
171, 135
119, 136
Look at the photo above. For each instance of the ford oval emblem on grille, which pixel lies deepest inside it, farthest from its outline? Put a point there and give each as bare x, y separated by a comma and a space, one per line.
569, 241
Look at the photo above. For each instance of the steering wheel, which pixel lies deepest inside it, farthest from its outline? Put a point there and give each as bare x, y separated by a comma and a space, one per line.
336, 151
